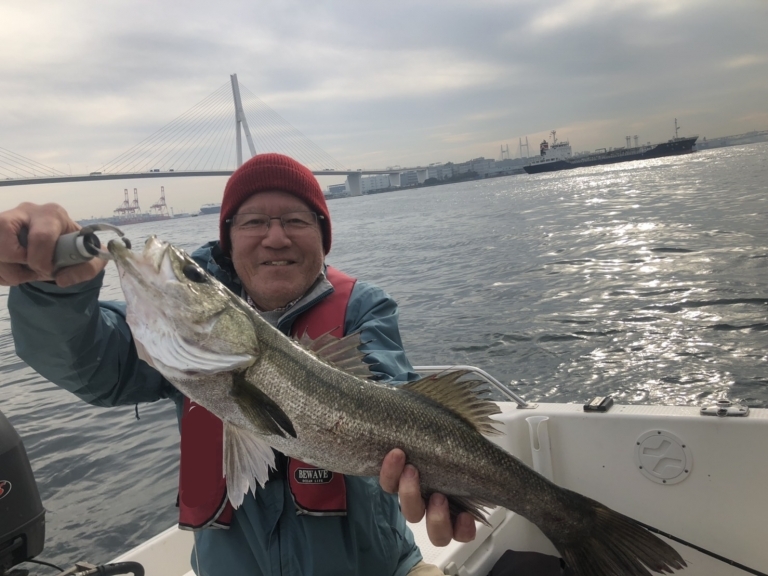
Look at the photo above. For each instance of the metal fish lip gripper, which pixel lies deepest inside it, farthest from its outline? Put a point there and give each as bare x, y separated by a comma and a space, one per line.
80, 246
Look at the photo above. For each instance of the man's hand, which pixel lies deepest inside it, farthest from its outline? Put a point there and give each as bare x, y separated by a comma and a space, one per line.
397, 477
35, 262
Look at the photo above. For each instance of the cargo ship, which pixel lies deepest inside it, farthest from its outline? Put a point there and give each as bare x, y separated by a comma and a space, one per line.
125, 220
210, 209
559, 155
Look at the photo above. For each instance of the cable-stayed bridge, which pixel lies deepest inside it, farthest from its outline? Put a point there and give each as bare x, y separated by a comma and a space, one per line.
200, 143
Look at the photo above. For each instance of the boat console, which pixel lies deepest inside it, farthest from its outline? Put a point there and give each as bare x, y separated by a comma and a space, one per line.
22, 517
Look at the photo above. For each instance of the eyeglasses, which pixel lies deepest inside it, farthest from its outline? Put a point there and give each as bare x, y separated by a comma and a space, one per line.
253, 224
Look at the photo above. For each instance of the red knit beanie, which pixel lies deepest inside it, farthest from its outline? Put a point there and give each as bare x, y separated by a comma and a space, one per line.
267, 172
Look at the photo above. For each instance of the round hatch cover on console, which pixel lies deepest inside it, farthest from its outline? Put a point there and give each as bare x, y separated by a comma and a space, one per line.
663, 457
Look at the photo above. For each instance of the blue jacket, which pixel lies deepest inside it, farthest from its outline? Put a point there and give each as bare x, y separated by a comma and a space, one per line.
90, 352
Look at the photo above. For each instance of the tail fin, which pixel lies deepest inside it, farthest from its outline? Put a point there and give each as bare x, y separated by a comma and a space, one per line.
618, 545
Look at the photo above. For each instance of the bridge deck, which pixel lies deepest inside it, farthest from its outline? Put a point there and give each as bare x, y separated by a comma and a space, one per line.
173, 174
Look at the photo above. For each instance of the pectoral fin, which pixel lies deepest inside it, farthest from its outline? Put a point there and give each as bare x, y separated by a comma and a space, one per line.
260, 409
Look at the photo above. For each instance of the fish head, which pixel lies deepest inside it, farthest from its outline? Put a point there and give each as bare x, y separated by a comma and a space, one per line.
184, 322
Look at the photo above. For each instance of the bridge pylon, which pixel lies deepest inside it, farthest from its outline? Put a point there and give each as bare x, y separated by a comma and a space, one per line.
354, 183
240, 120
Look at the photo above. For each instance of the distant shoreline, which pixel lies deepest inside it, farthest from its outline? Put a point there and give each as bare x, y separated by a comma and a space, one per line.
431, 182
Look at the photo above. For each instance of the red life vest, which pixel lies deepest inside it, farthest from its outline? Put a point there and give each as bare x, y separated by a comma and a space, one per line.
203, 498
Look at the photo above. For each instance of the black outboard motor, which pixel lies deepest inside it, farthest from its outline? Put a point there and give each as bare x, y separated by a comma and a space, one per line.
22, 517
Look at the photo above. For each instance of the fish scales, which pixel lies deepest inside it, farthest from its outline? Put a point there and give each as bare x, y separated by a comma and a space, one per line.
272, 392
449, 454
363, 421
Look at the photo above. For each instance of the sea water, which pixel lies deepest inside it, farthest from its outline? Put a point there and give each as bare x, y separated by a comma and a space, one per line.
645, 280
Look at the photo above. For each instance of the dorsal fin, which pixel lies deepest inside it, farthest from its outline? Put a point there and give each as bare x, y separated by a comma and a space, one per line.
461, 397
342, 353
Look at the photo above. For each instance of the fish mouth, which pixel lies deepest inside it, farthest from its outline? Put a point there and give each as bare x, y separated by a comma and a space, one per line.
154, 253
119, 251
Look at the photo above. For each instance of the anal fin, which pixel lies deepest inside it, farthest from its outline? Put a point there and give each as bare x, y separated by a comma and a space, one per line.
474, 506
458, 504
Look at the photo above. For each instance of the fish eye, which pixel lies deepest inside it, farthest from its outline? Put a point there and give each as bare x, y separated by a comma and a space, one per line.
194, 273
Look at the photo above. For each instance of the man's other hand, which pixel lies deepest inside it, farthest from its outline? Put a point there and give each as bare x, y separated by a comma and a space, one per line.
397, 477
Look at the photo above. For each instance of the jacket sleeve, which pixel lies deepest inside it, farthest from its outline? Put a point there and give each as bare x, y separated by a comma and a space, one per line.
374, 313
81, 344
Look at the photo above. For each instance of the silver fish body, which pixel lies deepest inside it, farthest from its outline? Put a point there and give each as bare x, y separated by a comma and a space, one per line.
274, 392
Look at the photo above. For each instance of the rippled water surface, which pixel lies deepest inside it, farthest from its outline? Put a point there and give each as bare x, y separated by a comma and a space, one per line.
647, 280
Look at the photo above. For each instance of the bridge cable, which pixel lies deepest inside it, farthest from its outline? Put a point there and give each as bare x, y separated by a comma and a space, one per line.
20, 163
220, 142
178, 124
307, 145
221, 115
171, 130
190, 131
216, 130
201, 138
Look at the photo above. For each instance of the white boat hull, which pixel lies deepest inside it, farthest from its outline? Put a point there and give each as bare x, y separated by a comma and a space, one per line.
718, 504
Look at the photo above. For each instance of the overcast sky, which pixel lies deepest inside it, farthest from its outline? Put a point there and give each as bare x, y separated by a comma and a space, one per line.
373, 83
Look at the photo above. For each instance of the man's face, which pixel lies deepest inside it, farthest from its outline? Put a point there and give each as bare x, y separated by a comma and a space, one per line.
276, 268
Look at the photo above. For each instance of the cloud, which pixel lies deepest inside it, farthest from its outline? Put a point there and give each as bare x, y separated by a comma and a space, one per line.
745, 61
559, 15
403, 82
375, 75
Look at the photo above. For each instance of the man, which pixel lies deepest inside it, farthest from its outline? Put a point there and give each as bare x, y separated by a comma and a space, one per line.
275, 230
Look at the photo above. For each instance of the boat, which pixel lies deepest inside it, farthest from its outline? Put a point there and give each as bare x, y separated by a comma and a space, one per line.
695, 475
559, 156
210, 209
126, 220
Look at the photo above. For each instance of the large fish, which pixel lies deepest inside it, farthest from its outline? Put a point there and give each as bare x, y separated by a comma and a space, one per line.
311, 401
